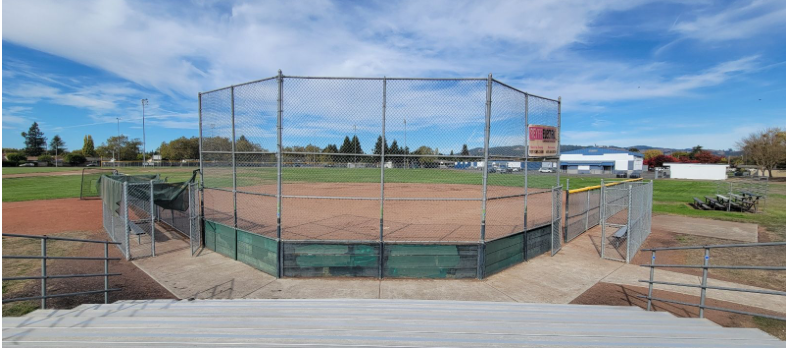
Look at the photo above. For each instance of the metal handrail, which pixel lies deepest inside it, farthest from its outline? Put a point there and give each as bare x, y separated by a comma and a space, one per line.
704, 286
44, 276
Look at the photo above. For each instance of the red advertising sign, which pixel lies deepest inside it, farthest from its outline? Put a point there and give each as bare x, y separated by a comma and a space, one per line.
543, 141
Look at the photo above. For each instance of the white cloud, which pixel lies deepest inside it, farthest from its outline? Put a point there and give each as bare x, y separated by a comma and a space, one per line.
206, 47
179, 49
618, 82
734, 23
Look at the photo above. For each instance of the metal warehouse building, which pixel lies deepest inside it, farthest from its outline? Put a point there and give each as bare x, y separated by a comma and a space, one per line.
597, 160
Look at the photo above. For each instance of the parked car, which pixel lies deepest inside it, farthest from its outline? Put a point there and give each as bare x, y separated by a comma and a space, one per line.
546, 170
91, 165
621, 175
491, 170
29, 164
634, 176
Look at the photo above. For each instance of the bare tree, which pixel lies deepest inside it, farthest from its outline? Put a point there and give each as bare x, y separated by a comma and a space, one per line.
766, 148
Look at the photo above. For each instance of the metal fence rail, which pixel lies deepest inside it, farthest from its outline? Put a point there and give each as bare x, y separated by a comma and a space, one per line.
431, 160
44, 275
704, 284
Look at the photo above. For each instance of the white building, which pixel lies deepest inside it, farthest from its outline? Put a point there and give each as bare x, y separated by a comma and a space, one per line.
598, 160
697, 171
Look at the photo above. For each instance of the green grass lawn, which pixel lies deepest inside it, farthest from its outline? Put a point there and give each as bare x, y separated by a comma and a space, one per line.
23, 170
52, 187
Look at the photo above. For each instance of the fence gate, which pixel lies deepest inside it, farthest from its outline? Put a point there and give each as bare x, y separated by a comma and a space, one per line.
557, 218
583, 210
626, 219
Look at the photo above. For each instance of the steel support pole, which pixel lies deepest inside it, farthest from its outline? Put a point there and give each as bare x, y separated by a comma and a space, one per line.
43, 273
628, 228
485, 175
602, 217
527, 155
111, 213
382, 181
234, 170
587, 209
152, 222
278, 175
565, 228
559, 102
106, 272
704, 282
650, 284
126, 227
552, 223
201, 187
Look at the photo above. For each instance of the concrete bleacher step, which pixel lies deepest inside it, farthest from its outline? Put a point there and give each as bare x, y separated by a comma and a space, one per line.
367, 323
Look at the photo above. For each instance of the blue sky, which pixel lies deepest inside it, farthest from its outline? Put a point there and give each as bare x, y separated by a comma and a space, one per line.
660, 73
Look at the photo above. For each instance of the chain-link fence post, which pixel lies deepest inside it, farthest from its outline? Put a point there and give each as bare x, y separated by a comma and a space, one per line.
527, 155
382, 180
280, 268
628, 226
234, 166
126, 226
565, 228
201, 175
559, 167
587, 209
152, 222
487, 122
602, 219
552, 222
527, 191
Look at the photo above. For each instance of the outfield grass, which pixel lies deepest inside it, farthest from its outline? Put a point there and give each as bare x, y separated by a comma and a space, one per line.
24, 170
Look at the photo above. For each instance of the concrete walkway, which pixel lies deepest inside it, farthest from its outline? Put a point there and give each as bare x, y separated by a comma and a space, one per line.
545, 279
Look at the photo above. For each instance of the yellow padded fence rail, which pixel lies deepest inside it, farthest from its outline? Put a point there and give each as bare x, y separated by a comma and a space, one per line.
589, 188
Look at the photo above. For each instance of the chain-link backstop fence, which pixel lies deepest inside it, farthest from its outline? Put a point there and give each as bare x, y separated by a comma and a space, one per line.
626, 219
370, 168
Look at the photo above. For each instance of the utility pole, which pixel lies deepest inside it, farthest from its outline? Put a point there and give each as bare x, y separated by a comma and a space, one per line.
118, 140
144, 102
355, 145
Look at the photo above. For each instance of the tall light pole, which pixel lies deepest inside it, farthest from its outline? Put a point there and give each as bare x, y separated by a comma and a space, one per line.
118, 140
144, 102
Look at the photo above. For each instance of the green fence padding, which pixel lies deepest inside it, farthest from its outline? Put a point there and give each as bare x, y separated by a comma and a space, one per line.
430, 261
210, 235
258, 251
226, 237
503, 253
539, 241
317, 260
